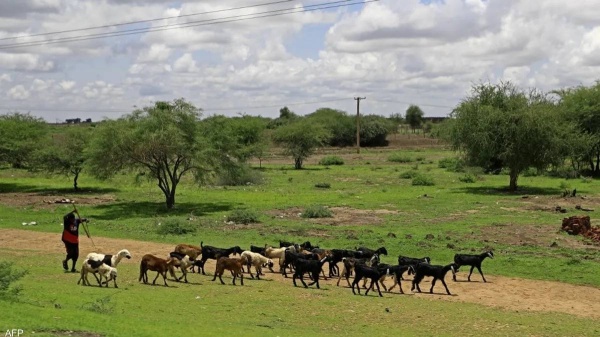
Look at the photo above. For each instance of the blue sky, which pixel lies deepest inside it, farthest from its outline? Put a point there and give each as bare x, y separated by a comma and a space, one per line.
393, 52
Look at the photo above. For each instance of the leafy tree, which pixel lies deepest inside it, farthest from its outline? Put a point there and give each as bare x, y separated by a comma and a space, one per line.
374, 130
300, 140
503, 126
414, 116
65, 152
286, 116
163, 142
21, 134
581, 105
341, 127
395, 120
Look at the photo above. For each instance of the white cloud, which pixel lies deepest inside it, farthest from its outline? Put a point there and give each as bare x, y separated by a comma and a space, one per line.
67, 85
24, 62
156, 53
18, 93
185, 64
5, 78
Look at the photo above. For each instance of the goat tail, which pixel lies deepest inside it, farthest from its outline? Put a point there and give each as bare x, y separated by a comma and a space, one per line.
201, 244
142, 269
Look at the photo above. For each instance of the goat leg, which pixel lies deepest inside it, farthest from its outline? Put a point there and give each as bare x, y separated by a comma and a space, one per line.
480, 272
471, 272
432, 285
445, 286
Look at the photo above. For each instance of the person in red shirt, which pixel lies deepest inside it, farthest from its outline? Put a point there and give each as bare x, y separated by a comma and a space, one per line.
70, 237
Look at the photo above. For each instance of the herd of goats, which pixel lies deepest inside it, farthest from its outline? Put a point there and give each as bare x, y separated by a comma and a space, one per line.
300, 259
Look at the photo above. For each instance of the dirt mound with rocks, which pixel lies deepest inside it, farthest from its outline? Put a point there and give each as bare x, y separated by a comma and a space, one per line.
581, 225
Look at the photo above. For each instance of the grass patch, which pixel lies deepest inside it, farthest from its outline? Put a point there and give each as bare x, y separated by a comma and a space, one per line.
409, 174
423, 180
317, 211
331, 160
243, 216
323, 185
399, 158
175, 226
468, 178
8, 276
452, 164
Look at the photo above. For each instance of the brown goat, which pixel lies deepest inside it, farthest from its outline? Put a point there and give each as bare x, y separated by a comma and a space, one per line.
190, 250
153, 263
234, 265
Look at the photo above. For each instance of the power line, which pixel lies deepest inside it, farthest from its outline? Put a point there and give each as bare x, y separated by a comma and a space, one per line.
242, 17
142, 21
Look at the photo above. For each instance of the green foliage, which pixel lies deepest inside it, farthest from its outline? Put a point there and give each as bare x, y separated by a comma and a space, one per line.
175, 226
243, 216
468, 178
531, 172
300, 140
422, 180
452, 164
21, 135
238, 176
317, 211
503, 126
323, 185
286, 116
399, 158
414, 116
409, 174
8, 276
331, 160
374, 130
340, 127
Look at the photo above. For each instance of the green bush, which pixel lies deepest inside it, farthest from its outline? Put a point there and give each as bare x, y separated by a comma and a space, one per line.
530, 172
317, 211
422, 180
174, 226
323, 185
243, 216
399, 158
239, 176
468, 178
8, 276
452, 164
409, 174
331, 160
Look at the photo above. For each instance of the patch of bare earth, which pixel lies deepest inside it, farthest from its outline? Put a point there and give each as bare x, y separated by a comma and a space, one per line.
550, 203
342, 216
531, 235
42, 201
500, 292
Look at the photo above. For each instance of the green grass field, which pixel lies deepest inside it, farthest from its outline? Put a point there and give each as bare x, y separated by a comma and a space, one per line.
373, 206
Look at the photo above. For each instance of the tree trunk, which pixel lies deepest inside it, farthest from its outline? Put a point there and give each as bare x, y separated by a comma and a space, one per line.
298, 163
597, 163
514, 176
75, 181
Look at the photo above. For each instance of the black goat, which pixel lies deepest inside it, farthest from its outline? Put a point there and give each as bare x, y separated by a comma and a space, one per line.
337, 255
437, 272
351, 262
413, 261
259, 250
396, 272
312, 267
214, 253
285, 244
290, 260
367, 252
471, 260
362, 271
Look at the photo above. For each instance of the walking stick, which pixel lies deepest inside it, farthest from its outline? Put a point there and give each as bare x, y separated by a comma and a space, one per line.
85, 228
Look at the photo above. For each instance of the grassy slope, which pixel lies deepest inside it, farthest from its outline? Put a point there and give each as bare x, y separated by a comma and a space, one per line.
367, 183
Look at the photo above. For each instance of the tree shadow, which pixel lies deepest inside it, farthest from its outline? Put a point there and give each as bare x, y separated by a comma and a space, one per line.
144, 209
291, 168
525, 190
21, 188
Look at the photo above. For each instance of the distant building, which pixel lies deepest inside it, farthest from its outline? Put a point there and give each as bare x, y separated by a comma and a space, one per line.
73, 121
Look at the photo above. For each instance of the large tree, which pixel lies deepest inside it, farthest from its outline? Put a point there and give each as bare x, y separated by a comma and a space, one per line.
162, 141
503, 126
300, 140
64, 152
414, 116
581, 105
21, 134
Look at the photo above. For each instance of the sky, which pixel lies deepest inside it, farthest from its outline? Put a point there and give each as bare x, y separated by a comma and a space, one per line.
392, 52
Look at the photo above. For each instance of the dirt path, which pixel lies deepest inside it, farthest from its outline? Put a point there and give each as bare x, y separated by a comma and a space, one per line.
502, 292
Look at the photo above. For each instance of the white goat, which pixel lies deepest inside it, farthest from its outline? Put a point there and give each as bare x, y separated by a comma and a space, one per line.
182, 261
106, 272
258, 261
110, 260
279, 253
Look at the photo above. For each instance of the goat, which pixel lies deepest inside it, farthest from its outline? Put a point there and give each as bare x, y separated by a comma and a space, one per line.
312, 267
234, 265
214, 253
396, 273
105, 271
471, 260
153, 263
405, 260
437, 272
351, 262
362, 271
283, 244
370, 252
190, 250
279, 253
337, 255
183, 262
110, 260
259, 250
257, 260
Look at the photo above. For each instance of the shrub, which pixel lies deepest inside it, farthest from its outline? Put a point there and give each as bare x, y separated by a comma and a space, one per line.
420, 158
101, 306
243, 216
331, 160
409, 174
238, 176
399, 158
452, 164
586, 180
173, 226
317, 211
7, 277
323, 185
468, 178
530, 172
422, 180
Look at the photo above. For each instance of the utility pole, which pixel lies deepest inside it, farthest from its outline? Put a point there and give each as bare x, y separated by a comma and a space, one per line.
357, 99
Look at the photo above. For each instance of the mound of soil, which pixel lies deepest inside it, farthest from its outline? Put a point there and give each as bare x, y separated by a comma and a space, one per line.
581, 225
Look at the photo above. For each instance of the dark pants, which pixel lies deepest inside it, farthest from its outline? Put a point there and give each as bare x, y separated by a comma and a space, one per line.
72, 252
